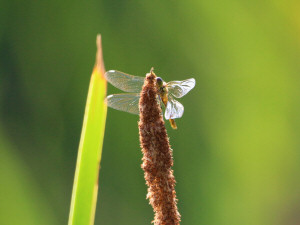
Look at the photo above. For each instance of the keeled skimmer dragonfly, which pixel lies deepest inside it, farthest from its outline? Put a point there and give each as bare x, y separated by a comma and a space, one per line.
129, 102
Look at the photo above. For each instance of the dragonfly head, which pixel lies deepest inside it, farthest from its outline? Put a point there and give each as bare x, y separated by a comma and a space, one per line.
159, 81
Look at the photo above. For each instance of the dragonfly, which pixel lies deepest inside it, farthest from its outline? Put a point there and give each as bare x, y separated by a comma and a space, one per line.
167, 92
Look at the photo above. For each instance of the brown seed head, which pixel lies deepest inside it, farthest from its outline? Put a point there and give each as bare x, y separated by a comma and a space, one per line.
157, 156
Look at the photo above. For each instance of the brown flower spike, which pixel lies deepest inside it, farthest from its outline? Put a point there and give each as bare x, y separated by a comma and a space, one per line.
157, 156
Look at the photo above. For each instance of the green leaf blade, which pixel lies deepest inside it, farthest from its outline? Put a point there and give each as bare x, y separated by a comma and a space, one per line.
85, 188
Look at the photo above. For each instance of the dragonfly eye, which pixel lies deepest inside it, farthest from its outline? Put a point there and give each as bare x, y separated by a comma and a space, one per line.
159, 81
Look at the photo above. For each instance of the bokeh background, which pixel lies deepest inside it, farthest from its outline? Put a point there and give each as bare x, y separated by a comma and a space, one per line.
236, 151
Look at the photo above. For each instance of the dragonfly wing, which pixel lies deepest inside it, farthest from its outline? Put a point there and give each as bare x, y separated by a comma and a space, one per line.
174, 109
124, 82
124, 102
181, 88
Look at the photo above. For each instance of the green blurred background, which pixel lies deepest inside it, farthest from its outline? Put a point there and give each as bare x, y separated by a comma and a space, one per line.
236, 152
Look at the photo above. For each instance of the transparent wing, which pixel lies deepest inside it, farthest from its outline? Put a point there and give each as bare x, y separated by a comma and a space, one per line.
174, 109
180, 88
124, 102
124, 82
